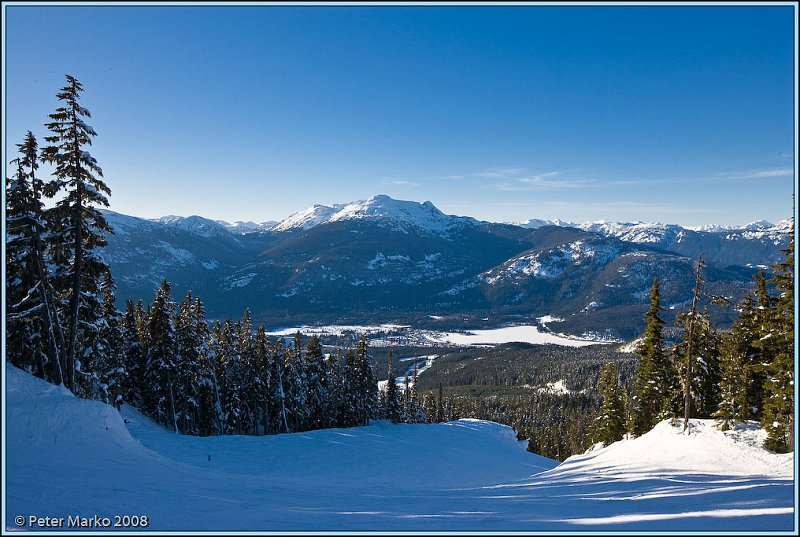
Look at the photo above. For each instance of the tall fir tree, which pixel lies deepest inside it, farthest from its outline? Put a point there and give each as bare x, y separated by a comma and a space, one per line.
778, 415
656, 378
610, 422
78, 228
107, 366
733, 384
392, 407
188, 347
161, 360
366, 386
34, 336
318, 384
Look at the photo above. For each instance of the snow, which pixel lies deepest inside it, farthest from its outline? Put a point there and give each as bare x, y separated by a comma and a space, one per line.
631, 346
194, 224
397, 214
558, 387
509, 334
396, 334
67, 456
551, 263
181, 256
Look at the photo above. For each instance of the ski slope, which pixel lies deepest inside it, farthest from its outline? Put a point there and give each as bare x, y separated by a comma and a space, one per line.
67, 457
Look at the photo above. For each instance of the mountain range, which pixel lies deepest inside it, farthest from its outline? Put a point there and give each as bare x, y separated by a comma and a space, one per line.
383, 259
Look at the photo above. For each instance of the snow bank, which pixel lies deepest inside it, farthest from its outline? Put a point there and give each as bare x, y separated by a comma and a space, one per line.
70, 457
668, 449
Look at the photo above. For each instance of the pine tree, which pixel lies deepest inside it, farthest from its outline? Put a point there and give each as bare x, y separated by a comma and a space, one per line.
350, 400
733, 384
429, 406
230, 378
108, 365
295, 386
34, 336
440, 404
318, 384
133, 354
610, 423
161, 358
366, 387
778, 416
656, 378
391, 397
744, 347
264, 368
188, 343
78, 227
209, 407
699, 388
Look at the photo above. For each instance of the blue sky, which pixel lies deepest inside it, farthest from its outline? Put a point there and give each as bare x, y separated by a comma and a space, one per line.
679, 114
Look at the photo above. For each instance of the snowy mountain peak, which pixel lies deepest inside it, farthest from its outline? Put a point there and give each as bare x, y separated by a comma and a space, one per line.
398, 214
196, 224
242, 227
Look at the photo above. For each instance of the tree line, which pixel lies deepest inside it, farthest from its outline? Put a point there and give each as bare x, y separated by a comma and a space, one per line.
743, 374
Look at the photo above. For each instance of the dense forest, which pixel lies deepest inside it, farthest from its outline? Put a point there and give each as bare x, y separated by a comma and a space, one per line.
229, 377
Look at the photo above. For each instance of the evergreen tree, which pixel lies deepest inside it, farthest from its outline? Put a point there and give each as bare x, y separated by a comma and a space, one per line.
778, 415
279, 360
161, 360
440, 404
295, 386
744, 347
206, 388
350, 400
429, 405
108, 365
34, 337
705, 363
263, 369
656, 378
366, 387
250, 377
188, 343
610, 423
733, 384
78, 227
230, 379
133, 355
318, 384
392, 409
416, 412
699, 389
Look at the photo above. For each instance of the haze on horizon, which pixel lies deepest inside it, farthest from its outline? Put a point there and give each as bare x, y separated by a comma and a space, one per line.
673, 114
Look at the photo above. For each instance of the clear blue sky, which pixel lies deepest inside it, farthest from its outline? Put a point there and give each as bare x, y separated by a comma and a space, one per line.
680, 114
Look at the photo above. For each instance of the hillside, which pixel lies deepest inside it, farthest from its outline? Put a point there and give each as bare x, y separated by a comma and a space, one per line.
386, 260
67, 456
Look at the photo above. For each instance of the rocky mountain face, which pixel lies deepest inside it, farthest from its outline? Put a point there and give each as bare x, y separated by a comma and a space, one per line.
383, 259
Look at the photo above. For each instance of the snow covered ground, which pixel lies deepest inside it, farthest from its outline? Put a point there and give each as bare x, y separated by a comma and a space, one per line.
389, 335
71, 457
509, 334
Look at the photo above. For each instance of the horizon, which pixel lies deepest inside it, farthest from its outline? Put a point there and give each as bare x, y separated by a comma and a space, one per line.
561, 221
679, 114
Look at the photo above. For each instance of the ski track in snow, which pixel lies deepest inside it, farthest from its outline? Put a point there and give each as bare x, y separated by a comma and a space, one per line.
69, 456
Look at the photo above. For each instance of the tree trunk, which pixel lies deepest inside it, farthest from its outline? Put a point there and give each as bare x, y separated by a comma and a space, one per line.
687, 399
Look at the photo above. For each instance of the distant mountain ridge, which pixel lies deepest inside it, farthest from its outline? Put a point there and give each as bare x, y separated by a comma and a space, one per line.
382, 259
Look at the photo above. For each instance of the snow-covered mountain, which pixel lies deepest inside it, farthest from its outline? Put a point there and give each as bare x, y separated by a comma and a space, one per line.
242, 227
398, 214
196, 224
382, 259
71, 457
